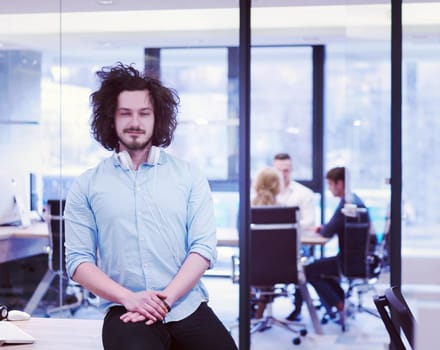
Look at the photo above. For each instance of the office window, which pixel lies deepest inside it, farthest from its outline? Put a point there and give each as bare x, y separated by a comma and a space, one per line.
281, 107
421, 160
357, 123
205, 130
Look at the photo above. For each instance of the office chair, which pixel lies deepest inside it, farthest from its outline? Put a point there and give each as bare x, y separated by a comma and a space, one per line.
393, 302
359, 267
274, 262
71, 296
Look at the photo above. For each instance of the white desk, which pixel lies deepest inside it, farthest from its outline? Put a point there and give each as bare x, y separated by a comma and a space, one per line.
20, 242
57, 333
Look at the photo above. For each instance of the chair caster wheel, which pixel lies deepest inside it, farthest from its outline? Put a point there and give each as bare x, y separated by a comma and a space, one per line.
324, 320
303, 332
296, 341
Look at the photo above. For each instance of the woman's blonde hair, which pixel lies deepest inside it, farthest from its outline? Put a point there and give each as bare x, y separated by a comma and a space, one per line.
267, 185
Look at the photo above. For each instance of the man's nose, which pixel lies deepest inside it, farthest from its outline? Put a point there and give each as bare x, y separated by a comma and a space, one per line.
135, 120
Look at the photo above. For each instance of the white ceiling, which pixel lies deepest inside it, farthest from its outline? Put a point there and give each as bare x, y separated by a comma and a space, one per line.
38, 6
89, 28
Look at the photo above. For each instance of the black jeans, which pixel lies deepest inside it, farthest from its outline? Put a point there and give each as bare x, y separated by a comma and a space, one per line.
200, 331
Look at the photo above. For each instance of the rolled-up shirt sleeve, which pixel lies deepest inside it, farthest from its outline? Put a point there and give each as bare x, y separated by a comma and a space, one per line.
202, 237
81, 232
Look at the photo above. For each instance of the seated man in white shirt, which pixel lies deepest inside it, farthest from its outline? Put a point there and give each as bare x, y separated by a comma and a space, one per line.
295, 194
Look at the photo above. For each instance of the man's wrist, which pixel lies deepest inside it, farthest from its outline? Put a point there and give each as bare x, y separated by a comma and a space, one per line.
125, 295
167, 306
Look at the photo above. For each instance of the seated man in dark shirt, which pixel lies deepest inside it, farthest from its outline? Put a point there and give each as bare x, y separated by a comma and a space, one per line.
323, 274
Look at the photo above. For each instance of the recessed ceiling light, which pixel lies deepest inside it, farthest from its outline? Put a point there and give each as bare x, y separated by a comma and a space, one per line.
293, 130
105, 2
105, 44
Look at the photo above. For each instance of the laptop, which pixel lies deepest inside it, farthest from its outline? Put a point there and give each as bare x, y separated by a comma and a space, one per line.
12, 334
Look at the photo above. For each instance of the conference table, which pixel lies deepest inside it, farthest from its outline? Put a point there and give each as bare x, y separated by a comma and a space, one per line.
228, 237
18, 242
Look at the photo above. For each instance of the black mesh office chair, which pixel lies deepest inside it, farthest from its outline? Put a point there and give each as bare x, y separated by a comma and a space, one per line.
393, 302
359, 266
273, 263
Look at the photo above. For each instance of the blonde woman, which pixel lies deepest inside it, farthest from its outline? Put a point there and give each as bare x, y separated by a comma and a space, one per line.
267, 186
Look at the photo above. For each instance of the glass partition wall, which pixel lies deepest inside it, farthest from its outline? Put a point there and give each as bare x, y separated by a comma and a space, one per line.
420, 160
30, 131
357, 115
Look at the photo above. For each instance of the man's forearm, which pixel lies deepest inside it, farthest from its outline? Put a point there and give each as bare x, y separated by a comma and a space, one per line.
189, 274
96, 281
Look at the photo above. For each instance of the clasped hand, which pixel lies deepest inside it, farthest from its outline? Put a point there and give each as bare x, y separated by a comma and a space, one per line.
145, 305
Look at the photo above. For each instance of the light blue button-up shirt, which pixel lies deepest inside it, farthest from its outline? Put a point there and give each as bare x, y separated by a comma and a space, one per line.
139, 226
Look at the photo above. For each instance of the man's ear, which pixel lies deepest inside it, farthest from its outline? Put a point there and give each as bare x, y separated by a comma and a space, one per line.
340, 184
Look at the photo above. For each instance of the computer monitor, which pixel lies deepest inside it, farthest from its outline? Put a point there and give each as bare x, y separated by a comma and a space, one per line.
274, 214
14, 208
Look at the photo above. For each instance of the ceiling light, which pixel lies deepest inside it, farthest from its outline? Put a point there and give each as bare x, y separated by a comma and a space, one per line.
293, 130
105, 2
201, 121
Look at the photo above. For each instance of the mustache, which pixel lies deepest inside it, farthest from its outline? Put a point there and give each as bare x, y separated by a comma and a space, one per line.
134, 130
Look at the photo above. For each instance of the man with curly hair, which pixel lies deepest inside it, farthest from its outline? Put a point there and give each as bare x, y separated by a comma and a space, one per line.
140, 226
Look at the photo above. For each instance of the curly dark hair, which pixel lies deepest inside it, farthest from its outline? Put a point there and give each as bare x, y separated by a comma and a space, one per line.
104, 101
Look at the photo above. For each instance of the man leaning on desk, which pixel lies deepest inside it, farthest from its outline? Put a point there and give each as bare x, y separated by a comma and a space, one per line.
140, 226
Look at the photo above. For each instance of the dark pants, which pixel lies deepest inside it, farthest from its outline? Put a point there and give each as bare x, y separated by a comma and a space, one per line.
324, 276
200, 331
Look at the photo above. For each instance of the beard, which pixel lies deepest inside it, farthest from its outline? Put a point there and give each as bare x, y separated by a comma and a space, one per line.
135, 143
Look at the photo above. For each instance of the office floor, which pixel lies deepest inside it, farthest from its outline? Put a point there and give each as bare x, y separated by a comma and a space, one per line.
364, 332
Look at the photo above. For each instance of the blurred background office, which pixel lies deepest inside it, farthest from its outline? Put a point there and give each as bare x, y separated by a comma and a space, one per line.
320, 89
